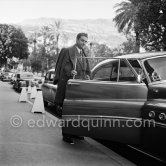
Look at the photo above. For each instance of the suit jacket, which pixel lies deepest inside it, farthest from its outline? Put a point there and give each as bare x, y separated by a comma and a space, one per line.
66, 62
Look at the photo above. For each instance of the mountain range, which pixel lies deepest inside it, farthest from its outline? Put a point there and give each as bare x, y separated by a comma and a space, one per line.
102, 31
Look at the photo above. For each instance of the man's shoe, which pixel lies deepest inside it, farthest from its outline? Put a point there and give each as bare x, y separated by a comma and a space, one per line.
68, 140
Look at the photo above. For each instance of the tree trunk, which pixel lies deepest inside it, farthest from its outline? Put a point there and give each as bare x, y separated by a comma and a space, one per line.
137, 45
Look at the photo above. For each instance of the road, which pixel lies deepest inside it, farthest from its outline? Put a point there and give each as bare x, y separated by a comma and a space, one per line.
28, 139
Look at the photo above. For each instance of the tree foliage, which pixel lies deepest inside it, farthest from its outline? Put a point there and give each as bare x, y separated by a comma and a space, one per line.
13, 43
127, 19
153, 35
36, 65
147, 19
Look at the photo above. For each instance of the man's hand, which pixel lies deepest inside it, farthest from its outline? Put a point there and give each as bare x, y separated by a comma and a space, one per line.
73, 72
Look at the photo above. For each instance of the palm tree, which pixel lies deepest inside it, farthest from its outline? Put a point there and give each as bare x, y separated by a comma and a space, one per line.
127, 18
56, 30
45, 34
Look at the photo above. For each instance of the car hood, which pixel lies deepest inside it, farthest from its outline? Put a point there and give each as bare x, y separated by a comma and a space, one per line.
157, 90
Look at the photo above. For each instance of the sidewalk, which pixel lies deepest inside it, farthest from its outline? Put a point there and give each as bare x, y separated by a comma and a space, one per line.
28, 139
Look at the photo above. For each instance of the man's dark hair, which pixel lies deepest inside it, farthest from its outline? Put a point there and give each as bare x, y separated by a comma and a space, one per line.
82, 34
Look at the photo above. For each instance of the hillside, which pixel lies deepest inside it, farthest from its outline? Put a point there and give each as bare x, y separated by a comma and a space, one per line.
99, 30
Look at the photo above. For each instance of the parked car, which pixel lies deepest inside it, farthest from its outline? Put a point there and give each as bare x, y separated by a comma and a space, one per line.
125, 101
6, 76
48, 89
22, 79
37, 81
12, 78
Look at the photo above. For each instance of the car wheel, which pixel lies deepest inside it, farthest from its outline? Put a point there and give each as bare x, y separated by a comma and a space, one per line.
19, 90
45, 104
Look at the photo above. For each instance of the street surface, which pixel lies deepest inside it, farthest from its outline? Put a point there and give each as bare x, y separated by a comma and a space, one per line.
33, 139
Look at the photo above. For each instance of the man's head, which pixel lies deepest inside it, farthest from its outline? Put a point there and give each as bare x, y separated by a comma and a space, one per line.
81, 40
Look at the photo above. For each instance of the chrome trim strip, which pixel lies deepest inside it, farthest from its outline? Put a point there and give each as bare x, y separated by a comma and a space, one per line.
100, 116
125, 101
160, 124
108, 82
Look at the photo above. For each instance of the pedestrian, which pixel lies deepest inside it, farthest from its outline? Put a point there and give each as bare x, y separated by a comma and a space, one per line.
71, 63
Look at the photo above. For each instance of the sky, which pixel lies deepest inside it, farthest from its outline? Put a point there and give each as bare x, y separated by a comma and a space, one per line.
15, 11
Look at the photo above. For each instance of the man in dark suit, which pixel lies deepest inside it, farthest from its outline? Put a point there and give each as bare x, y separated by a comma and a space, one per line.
71, 63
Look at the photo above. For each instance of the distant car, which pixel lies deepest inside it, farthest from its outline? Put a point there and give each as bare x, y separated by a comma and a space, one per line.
37, 81
12, 78
6, 76
22, 79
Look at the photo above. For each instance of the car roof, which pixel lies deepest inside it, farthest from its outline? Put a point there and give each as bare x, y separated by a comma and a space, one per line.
141, 55
132, 56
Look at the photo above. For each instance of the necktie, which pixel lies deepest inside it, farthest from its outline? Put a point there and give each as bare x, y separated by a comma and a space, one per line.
81, 55
82, 58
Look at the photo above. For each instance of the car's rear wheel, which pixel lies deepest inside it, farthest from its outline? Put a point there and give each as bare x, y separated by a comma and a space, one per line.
45, 104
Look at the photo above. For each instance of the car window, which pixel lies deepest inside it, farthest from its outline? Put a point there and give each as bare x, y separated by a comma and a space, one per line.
135, 64
125, 72
156, 68
103, 73
114, 71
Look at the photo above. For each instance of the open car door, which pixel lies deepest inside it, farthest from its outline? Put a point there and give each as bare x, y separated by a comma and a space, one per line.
107, 107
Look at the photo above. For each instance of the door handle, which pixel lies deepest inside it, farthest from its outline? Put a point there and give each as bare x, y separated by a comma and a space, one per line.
76, 84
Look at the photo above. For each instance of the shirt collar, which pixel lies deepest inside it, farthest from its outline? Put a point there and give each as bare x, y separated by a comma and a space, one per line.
79, 50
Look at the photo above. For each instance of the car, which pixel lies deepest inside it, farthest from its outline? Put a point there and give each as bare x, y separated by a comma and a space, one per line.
125, 101
6, 76
23, 79
12, 78
37, 81
48, 89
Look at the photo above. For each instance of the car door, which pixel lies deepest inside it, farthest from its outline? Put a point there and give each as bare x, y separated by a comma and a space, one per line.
107, 107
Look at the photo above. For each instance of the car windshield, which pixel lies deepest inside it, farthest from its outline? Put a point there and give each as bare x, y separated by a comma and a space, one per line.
156, 68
